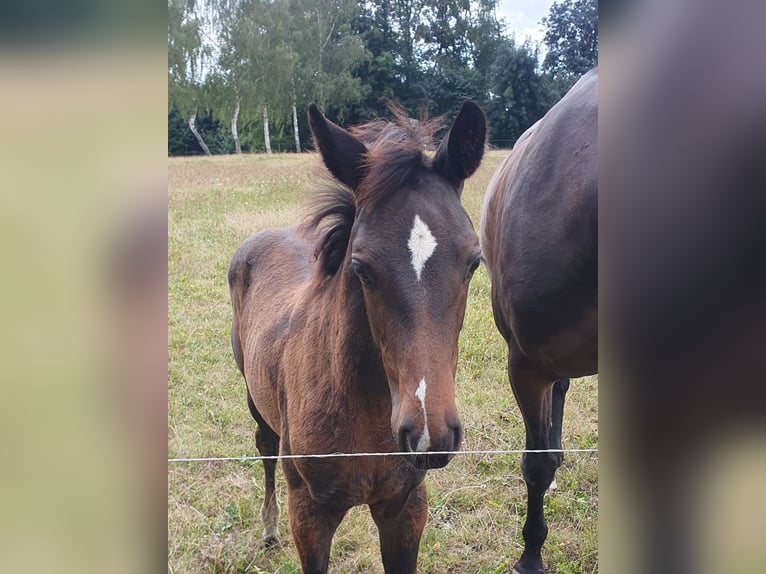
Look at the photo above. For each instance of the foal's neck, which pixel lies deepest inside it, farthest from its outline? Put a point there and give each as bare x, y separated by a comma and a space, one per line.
354, 343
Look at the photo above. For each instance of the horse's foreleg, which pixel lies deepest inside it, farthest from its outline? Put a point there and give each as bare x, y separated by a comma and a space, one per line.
560, 389
400, 532
534, 396
313, 526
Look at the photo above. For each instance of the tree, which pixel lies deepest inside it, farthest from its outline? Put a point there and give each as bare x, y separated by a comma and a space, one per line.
252, 64
446, 56
378, 74
182, 142
485, 35
571, 36
519, 96
326, 53
460, 40
287, 57
229, 83
428, 56
186, 62
405, 15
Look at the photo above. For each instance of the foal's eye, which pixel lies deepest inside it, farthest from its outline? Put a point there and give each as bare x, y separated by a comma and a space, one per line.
474, 266
360, 271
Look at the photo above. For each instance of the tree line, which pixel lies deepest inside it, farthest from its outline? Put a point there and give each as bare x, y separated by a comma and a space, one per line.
241, 72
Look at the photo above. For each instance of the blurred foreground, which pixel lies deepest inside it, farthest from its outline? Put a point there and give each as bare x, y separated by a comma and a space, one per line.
683, 285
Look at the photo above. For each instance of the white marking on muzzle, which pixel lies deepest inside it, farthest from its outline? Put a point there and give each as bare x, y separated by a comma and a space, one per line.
421, 244
425, 439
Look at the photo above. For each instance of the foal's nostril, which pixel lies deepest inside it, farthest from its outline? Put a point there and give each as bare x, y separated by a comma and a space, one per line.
457, 434
405, 438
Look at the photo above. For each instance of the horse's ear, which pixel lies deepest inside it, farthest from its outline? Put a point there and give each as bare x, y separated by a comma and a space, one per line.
462, 149
342, 153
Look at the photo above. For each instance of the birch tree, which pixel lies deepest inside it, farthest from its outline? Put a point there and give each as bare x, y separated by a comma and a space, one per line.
328, 52
231, 67
186, 59
259, 61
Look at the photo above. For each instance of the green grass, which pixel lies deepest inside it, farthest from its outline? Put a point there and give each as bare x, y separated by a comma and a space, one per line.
477, 503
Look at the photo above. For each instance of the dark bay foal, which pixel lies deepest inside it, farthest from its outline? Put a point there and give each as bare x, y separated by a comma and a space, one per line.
346, 329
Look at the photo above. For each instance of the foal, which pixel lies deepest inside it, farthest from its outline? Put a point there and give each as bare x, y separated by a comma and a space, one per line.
346, 331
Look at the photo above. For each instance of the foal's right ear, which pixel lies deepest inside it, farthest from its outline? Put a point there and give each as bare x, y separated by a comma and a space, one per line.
342, 153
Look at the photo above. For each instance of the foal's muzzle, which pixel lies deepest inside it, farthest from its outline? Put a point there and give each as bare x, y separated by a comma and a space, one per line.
446, 446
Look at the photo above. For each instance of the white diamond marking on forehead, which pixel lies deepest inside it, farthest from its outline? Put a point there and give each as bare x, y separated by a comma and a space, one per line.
421, 244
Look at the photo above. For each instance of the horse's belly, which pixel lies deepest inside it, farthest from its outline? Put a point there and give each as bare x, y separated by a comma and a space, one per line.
270, 270
262, 373
573, 352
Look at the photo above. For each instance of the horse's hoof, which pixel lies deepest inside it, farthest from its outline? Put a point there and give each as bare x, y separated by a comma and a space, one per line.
270, 542
518, 569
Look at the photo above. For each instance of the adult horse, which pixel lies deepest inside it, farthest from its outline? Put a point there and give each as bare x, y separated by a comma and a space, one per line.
539, 235
346, 328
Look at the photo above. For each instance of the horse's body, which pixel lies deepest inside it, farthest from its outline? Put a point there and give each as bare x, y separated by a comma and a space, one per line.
347, 334
539, 236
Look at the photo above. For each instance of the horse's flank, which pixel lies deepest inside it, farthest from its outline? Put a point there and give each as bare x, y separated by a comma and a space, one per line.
540, 234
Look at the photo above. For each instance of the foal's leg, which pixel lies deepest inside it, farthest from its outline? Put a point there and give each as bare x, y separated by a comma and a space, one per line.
267, 442
313, 525
533, 394
400, 533
560, 389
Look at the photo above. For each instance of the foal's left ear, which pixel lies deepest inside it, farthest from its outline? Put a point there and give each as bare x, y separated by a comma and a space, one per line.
461, 150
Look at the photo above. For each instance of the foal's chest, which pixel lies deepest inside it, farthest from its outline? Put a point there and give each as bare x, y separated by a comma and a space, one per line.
353, 481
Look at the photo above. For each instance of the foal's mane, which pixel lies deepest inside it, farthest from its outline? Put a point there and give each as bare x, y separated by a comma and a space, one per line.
395, 150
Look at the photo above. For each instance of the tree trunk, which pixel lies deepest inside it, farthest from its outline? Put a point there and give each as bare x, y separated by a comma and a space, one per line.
266, 130
295, 121
234, 133
295, 129
197, 135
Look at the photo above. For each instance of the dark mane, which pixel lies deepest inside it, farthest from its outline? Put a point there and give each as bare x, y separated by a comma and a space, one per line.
395, 150
334, 211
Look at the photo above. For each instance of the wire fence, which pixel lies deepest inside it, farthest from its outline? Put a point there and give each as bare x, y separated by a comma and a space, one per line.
367, 454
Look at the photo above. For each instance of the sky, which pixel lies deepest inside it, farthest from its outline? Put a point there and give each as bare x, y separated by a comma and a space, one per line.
523, 17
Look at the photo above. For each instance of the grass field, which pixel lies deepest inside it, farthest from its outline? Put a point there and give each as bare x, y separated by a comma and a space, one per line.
477, 503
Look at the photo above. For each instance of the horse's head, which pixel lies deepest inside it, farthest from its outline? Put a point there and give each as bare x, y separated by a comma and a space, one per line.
410, 249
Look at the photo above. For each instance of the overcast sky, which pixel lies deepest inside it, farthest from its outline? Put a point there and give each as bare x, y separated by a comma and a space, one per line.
523, 17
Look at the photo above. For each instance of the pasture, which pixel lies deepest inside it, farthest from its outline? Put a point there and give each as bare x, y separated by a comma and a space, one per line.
476, 504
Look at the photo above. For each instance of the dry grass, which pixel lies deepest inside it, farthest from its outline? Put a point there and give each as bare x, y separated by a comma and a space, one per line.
477, 503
